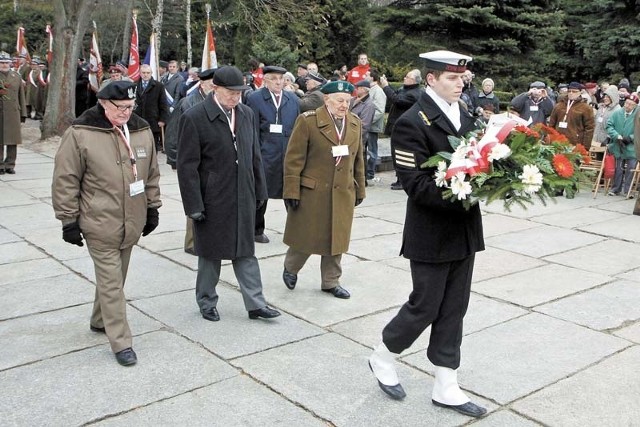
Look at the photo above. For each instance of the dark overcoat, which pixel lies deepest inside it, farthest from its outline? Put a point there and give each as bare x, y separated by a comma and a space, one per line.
12, 108
327, 192
152, 104
435, 230
220, 180
273, 146
171, 128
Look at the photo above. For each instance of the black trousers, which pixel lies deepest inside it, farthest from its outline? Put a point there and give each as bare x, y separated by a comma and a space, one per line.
259, 229
440, 298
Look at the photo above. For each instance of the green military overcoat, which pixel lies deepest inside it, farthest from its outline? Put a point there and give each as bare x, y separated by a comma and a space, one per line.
12, 107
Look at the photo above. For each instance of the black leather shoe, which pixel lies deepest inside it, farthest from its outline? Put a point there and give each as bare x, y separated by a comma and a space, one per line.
338, 292
10, 171
289, 279
469, 409
394, 391
1, 171
261, 238
211, 314
190, 251
96, 329
265, 312
126, 357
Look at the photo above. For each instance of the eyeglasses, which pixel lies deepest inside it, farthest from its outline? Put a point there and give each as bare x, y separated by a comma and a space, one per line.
124, 108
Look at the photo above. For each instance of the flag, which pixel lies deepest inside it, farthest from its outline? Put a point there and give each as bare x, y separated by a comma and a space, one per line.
95, 62
209, 59
21, 45
134, 54
50, 50
151, 57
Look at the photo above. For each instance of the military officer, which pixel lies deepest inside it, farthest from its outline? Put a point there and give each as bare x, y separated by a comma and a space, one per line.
105, 188
440, 238
13, 111
323, 182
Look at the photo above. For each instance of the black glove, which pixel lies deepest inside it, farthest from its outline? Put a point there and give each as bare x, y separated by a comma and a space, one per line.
198, 216
292, 203
358, 201
627, 140
71, 233
23, 119
152, 221
594, 105
260, 203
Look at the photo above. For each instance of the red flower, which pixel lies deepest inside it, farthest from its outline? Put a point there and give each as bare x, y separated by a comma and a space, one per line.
562, 165
579, 149
551, 135
527, 131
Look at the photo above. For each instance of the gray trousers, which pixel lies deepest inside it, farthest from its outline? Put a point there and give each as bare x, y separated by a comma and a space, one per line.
247, 272
8, 162
330, 267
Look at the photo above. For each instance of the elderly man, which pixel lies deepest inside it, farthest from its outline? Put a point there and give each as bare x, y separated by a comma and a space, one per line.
13, 111
313, 98
620, 128
172, 81
276, 111
105, 188
535, 105
222, 184
440, 239
573, 117
323, 182
152, 104
362, 106
301, 77
379, 100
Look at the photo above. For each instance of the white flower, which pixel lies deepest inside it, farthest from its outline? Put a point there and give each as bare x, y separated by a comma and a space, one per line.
531, 178
460, 153
459, 186
440, 175
499, 151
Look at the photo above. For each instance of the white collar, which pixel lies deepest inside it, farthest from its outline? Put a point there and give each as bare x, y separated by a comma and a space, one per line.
452, 111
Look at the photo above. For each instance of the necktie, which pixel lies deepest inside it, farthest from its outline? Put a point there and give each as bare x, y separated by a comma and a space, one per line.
144, 85
277, 99
228, 113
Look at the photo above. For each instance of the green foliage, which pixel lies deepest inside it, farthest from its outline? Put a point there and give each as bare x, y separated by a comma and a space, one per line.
34, 16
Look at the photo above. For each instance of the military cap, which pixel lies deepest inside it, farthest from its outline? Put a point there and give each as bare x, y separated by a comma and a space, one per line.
163, 64
363, 83
537, 85
206, 74
445, 60
118, 90
316, 77
338, 86
229, 77
273, 69
5, 57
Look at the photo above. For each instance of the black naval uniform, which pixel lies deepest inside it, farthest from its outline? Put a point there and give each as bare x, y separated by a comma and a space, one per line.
440, 237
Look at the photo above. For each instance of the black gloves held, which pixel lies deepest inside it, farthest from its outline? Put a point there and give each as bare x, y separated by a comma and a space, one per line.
358, 201
152, 221
627, 140
198, 216
71, 233
292, 203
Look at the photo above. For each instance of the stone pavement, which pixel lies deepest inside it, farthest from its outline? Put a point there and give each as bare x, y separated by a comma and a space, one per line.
551, 338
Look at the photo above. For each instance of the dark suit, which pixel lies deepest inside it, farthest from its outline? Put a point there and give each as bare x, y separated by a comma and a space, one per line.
152, 106
440, 237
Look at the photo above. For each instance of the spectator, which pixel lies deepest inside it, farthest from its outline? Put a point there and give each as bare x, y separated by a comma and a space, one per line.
573, 117
620, 128
302, 77
313, 98
608, 105
485, 97
379, 100
362, 106
469, 91
535, 105
359, 72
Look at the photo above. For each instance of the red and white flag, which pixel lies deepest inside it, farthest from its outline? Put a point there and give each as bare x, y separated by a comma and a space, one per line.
95, 63
50, 49
21, 45
209, 59
134, 54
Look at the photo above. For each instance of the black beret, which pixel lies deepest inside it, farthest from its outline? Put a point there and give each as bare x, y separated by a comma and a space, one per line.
273, 69
118, 90
206, 74
229, 77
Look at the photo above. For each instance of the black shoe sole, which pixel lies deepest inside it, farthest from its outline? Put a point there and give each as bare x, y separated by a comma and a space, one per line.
396, 392
96, 329
469, 409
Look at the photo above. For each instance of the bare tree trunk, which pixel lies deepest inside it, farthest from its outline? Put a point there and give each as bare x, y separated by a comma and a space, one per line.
126, 39
156, 24
188, 24
71, 20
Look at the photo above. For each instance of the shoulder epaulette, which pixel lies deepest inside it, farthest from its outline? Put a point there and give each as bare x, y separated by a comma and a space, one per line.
424, 118
309, 113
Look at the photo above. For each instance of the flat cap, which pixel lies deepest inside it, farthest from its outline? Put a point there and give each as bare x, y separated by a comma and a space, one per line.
302, 66
316, 77
445, 60
229, 77
537, 85
206, 74
5, 57
118, 90
575, 85
273, 69
163, 64
363, 83
338, 86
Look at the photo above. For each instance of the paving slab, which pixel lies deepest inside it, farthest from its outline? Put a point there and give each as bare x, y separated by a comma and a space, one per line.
170, 221
235, 334
162, 241
44, 170
87, 385
505, 418
392, 212
149, 274
41, 336
11, 197
34, 296
617, 204
555, 205
630, 275
626, 227
610, 257
181, 257
540, 285
340, 375
494, 262
377, 248
18, 252
235, 402
496, 224
7, 236
631, 332
23, 218
542, 241
579, 218
27, 184
367, 227
513, 359
39, 269
607, 307
50, 241
606, 394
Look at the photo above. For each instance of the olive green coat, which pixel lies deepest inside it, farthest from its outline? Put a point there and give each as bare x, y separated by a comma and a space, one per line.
327, 192
11, 108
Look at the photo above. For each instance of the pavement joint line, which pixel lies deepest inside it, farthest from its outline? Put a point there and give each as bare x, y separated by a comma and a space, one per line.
27, 315
230, 360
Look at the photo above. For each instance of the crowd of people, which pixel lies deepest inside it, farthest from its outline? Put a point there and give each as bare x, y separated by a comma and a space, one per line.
236, 140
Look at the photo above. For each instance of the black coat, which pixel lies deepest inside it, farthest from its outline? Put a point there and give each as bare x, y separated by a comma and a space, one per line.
435, 230
216, 179
152, 104
171, 128
400, 102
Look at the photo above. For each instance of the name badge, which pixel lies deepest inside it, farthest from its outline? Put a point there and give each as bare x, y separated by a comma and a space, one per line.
136, 188
141, 153
275, 128
533, 108
600, 119
354, 73
562, 125
340, 150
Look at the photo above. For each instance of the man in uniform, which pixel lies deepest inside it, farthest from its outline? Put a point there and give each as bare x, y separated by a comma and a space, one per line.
222, 183
276, 112
440, 238
105, 188
323, 182
13, 111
